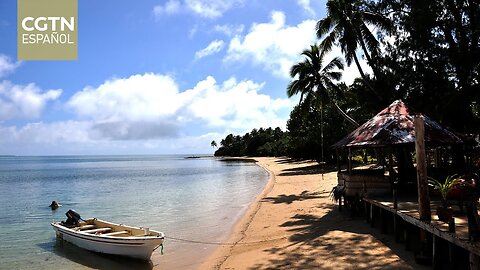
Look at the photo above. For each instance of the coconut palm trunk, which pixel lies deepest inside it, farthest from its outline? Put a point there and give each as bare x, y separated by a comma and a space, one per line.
341, 112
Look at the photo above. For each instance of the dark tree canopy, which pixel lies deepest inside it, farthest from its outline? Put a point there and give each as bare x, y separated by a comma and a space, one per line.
261, 142
423, 52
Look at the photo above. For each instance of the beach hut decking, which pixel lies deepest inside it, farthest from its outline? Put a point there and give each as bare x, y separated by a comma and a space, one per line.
387, 193
442, 242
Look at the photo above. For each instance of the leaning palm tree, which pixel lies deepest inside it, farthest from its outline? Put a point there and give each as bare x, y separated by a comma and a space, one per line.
347, 23
313, 81
214, 144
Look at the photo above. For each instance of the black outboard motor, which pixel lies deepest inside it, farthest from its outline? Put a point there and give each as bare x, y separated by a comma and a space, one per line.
72, 218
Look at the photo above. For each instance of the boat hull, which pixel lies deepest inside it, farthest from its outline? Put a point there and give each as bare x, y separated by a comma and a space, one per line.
133, 247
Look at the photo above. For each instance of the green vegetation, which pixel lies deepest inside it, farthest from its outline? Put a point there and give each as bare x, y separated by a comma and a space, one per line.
444, 187
423, 52
262, 142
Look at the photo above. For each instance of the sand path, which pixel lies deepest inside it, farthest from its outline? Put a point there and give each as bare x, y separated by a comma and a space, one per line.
294, 225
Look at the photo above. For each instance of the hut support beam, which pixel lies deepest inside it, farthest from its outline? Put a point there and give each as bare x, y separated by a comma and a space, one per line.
423, 198
474, 261
396, 228
349, 169
340, 203
435, 252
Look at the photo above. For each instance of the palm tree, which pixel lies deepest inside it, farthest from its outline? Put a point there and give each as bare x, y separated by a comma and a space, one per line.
314, 81
214, 144
347, 22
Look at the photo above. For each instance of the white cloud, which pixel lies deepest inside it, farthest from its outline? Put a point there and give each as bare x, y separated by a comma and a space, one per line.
193, 31
274, 45
236, 105
137, 98
229, 29
212, 48
147, 113
19, 101
305, 4
78, 137
151, 106
203, 8
350, 73
49, 133
7, 65
211, 8
170, 7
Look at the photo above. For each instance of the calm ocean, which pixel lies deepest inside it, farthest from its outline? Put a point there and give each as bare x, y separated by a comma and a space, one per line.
195, 199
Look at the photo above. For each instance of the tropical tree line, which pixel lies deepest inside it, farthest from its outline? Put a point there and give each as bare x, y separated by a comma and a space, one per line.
423, 52
261, 142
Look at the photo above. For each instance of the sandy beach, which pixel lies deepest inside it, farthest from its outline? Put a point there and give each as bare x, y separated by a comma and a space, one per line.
293, 224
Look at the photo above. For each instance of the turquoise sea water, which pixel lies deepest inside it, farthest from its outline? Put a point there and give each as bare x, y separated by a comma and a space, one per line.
193, 199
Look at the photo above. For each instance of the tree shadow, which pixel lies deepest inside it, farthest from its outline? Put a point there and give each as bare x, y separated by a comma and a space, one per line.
288, 160
333, 237
309, 170
288, 199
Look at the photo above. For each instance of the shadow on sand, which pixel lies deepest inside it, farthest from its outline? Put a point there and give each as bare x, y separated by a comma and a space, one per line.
288, 199
287, 160
333, 237
92, 259
308, 170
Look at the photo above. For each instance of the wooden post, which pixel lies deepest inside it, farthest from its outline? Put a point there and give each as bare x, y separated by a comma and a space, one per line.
340, 203
451, 257
451, 225
474, 261
372, 215
423, 198
349, 169
366, 208
435, 252
384, 219
407, 237
395, 196
339, 166
395, 228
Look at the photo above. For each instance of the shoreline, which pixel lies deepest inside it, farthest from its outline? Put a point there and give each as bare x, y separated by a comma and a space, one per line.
293, 223
238, 232
190, 252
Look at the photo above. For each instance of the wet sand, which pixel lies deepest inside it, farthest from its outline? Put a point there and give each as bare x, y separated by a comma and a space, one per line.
294, 224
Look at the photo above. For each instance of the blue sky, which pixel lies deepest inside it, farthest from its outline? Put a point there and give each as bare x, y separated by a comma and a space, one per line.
155, 77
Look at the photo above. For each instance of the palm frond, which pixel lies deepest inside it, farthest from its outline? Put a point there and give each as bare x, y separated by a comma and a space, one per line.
323, 27
336, 62
328, 42
381, 22
370, 41
335, 75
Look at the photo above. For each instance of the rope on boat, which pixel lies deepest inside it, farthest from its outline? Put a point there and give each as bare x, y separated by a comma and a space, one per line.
223, 243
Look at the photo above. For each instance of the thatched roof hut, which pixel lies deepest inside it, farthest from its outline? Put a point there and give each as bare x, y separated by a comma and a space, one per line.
394, 126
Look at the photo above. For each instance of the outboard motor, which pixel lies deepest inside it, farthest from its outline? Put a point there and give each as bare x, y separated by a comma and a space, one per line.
72, 218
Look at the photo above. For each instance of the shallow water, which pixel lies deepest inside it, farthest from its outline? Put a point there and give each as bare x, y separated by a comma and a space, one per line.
193, 199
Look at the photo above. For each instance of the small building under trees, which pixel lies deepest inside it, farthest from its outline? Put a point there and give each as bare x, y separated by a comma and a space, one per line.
390, 137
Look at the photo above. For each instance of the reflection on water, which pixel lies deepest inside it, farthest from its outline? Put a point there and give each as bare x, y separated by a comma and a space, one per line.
93, 259
196, 199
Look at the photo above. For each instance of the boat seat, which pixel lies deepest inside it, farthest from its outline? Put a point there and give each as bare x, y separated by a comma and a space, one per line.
99, 230
86, 227
115, 233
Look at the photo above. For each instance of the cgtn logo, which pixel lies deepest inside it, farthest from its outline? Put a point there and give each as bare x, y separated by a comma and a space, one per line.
58, 29
47, 29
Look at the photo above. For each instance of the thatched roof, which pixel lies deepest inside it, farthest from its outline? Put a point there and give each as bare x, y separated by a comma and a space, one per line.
394, 126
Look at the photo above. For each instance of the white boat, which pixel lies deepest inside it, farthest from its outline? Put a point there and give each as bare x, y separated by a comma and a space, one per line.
110, 238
